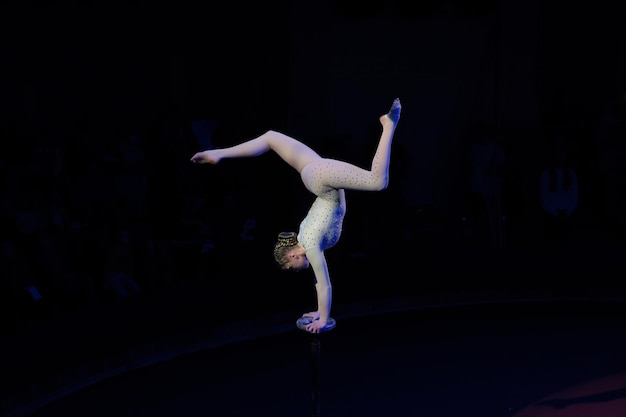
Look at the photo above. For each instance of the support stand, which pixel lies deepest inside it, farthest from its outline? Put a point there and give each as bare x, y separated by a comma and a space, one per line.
315, 360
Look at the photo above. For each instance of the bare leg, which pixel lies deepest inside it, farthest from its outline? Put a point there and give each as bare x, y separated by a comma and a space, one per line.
292, 151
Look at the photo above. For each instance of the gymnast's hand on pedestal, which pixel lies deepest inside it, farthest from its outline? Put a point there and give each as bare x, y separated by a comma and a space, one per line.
317, 324
207, 157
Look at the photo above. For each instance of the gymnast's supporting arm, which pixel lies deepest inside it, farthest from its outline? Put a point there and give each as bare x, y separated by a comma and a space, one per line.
323, 288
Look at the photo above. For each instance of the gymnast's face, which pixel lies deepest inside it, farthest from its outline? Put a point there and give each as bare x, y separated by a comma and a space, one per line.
297, 259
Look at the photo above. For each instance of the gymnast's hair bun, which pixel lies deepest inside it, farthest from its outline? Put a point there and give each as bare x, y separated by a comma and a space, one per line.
287, 238
285, 241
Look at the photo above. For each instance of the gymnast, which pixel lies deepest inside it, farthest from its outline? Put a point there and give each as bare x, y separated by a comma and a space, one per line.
327, 179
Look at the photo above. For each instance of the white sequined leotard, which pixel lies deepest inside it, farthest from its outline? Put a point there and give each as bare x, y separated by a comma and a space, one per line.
321, 228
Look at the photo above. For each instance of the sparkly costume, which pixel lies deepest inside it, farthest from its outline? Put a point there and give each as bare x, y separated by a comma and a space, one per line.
322, 225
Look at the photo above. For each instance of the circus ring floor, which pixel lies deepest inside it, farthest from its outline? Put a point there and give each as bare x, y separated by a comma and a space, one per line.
526, 358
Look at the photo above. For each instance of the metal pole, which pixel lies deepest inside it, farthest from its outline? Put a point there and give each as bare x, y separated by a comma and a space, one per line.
315, 376
315, 360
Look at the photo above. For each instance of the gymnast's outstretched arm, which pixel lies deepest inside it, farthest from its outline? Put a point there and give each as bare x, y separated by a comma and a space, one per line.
292, 151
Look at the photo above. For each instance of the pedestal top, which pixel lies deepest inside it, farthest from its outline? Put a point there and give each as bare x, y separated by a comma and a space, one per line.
302, 322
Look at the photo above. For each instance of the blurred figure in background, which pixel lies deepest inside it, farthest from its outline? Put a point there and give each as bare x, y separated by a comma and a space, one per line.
487, 164
558, 186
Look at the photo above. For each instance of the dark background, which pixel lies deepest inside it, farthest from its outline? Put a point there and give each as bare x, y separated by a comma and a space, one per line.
109, 231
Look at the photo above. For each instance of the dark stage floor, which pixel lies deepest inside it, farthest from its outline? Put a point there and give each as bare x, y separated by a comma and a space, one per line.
521, 359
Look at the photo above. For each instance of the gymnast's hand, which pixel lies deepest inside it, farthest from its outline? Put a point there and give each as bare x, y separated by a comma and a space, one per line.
206, 157
316, 324
315, 315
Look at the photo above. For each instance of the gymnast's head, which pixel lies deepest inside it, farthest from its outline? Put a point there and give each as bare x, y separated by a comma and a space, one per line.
289, 253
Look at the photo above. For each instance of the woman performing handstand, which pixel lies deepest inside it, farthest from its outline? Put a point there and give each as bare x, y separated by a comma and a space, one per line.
327, 179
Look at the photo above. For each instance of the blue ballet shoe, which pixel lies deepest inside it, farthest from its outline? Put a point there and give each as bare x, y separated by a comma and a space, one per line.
394, 112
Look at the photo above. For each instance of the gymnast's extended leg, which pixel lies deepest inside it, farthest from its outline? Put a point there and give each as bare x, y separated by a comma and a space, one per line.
338, 174
292, 151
